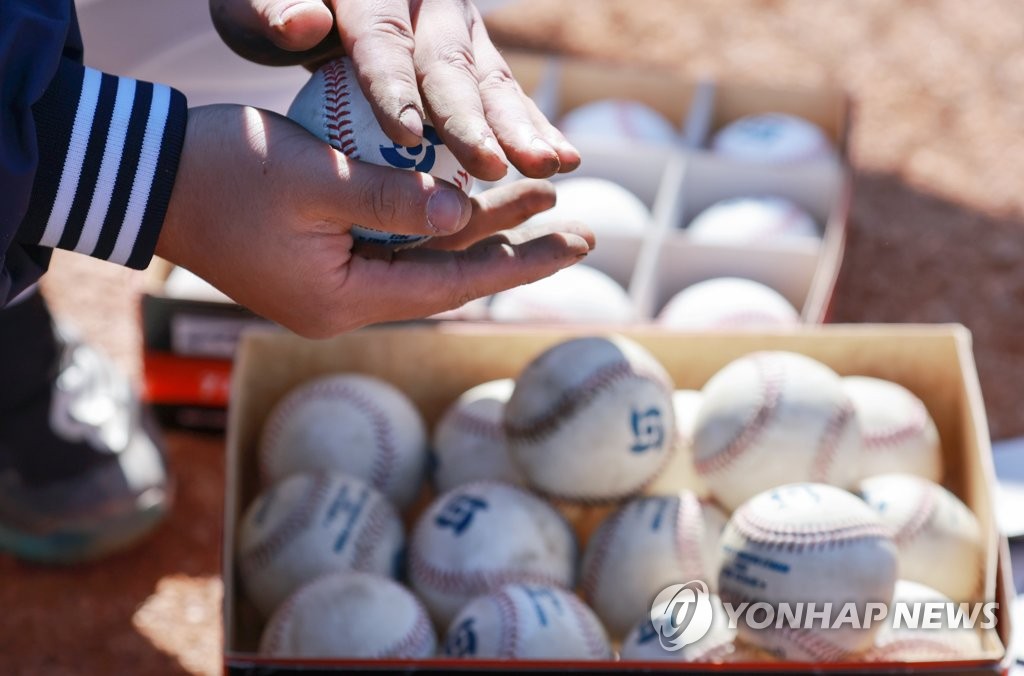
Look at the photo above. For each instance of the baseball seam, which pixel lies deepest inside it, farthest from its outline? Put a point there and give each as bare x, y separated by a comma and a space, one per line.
689, 536
601, 543
365, 545
825, 455
771, 378
477, 425
337, 115
290, 528
280, 620
384, 460
883, 438
815, 537
509, 631
597, 647
897, 649
918, 519
416, 642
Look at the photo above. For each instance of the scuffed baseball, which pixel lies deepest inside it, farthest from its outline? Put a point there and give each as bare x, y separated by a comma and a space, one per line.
939, 538
578, 293
919, 644
645, 546
350, 615
521, 621
605, 206
743, 221
482, 536
308, 525
897, 432
679, 473
642, 643
469, 440
802, 543
591, 419
617, 121
356, 424
771, 418
772, 138
332, 107
728, 303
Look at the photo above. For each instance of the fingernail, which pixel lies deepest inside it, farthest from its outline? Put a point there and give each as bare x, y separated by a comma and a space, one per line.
444, 211
412, 121
288, 13
491, 144
540, 145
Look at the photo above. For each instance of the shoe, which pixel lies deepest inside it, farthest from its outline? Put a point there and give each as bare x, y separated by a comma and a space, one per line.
82, 469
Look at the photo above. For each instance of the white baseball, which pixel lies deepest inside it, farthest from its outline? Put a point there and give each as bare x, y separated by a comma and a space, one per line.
643, 644
645, 546
523, 622
919, 644
897, 432
728, 303
605, 206
469, 440
939, 539
592, 419
679, 473
578, 293
740, 221
308, 525
482, 536
803, 543
356, 424
772, 418
350, 615
618, 120
332, 106
772, 138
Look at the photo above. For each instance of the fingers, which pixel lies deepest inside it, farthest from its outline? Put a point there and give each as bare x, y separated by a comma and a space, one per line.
274, 32
448, 79
420, 283
499, 209
379, 38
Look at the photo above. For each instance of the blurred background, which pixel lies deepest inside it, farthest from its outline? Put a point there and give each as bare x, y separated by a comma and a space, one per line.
936, 227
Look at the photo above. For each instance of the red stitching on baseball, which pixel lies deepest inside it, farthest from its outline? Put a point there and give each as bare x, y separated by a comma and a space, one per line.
577, 398
917, 644
296, 521
825, 455
370, 534
879, 439
596, 644
478, 425
689, 535
336, 93
509, 634
771, 377
416, 642
914, 524
384, 460
601, 543
275, 635
474, 582
813, 537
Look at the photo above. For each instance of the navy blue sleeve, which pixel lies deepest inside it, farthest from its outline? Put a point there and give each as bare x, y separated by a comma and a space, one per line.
87, 159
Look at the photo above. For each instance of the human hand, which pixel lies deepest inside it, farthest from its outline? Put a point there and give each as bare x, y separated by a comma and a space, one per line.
262, 210
401, 48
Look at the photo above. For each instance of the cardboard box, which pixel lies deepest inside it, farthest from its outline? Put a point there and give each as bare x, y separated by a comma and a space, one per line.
434, 363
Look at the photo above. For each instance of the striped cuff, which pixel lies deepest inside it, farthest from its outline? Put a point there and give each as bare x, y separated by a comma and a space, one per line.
108, 153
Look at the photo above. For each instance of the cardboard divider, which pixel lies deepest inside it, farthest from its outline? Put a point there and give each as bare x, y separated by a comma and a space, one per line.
433, 363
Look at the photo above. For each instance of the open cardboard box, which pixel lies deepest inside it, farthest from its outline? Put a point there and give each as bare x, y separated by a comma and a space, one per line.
434, 363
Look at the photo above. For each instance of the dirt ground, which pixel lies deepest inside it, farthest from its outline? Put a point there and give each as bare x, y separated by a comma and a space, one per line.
936, 236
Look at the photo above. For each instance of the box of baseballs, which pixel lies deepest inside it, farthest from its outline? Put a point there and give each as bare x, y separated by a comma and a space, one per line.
456, 497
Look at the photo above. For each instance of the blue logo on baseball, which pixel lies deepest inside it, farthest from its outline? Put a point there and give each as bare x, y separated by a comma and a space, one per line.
419, 157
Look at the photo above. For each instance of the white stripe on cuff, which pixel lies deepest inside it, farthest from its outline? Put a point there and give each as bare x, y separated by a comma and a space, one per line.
152, 143
77, 146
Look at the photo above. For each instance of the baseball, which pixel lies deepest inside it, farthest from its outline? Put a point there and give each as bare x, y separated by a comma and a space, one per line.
679, 473
742, 221
643, 644
591, 419
356, 424
728, 303
469, 440
897, 432
618, 120
482, 536
578, 293
605, 206
332, 106
939, 539
350, 615
645, 546
523, 621
771, 138
311, 524
772, 418
804, 543
919, 644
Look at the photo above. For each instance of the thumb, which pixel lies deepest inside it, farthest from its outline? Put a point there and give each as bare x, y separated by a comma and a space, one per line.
294, 25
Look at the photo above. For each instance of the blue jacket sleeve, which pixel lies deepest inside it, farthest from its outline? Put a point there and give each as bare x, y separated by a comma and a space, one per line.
87, 159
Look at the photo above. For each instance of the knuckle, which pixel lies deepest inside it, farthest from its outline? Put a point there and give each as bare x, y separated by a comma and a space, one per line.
379, 196
456, 56
393, 27
498, 79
